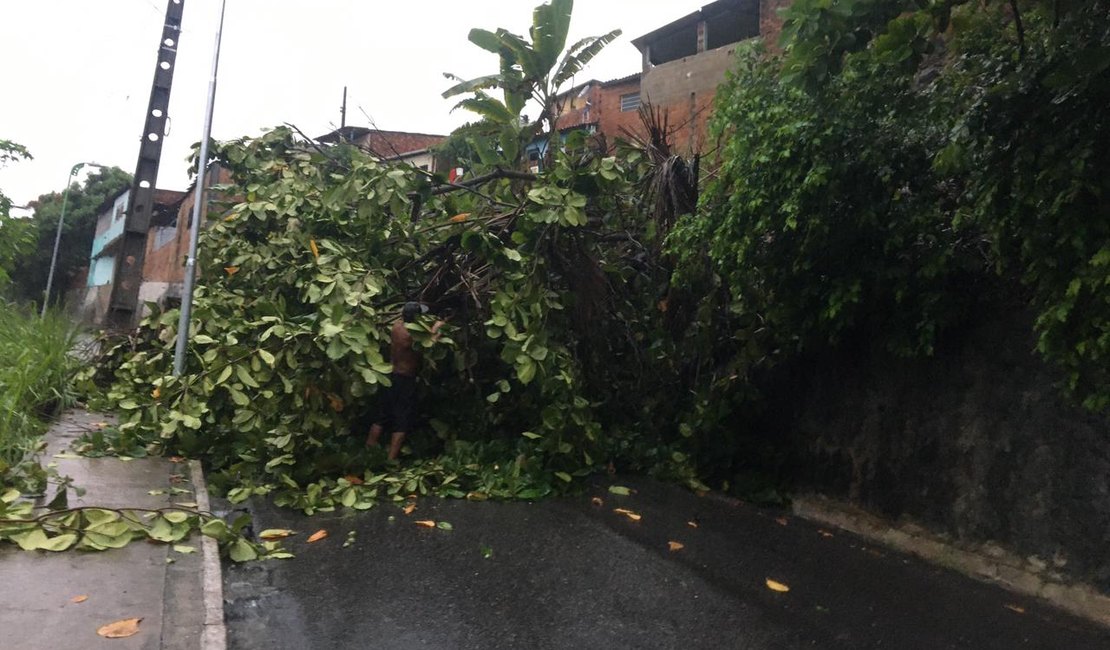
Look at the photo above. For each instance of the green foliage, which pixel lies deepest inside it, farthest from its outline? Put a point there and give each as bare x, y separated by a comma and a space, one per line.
15, 234
36, 369
99, 529
32, 263
530, 70
896, 157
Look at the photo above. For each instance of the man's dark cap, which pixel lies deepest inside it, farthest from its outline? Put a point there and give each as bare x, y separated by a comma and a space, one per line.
413, 309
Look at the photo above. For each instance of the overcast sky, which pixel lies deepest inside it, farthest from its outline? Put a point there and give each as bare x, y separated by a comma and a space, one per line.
75, 75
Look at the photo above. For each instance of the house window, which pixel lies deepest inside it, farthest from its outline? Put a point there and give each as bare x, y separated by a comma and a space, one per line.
630, 102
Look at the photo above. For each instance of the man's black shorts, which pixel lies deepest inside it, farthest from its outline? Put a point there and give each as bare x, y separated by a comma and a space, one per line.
400, 403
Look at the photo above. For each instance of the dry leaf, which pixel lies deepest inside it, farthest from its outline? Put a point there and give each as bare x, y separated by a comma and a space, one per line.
354, 480
1015, 608
156, 393
231, 270
824, 533
692, 524
675, 546
79, 599
315, 251
336, 402
120, 629
177, 459
427, 523
597, 501
317, 536
627, 513
409, 508
275, 533
776, 586
459, 218
781, 521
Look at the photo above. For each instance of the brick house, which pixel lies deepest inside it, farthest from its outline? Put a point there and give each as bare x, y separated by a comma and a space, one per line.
394, 146
91, 300
683, 63
685, 60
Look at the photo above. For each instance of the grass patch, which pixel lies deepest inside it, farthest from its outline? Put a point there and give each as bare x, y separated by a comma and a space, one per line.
36, 372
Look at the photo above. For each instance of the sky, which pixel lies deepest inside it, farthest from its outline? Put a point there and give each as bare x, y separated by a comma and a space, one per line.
75, 75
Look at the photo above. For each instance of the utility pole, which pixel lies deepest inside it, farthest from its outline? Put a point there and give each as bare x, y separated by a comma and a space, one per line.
343, 112
198, 202
128, 277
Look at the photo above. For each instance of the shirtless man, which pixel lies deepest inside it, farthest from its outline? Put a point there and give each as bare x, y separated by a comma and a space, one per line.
400, 397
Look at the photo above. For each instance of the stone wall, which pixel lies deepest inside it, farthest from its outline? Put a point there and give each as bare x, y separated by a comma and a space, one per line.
976, 443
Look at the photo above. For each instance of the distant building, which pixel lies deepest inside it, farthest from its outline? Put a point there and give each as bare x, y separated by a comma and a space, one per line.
684, 61
394, 146
92, 303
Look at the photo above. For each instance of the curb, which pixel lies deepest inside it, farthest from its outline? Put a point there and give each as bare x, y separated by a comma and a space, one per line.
987, 563
214, 636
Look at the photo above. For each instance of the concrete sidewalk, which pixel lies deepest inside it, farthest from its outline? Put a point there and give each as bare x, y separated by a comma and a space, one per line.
37, 587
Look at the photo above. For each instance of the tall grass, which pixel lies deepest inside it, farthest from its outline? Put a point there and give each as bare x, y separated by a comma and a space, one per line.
36, 372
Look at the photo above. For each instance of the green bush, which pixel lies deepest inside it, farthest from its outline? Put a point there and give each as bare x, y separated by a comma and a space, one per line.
36, 372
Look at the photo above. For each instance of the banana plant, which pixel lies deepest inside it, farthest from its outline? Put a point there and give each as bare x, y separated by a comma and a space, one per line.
532, 69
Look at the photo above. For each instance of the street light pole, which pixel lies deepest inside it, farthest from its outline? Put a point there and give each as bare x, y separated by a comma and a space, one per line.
58, 234
202, 177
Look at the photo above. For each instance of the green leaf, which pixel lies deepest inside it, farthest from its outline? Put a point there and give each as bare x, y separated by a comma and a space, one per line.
184, 549
242, 551
268, 357
619, 489
175, 516
563, 476
445, 525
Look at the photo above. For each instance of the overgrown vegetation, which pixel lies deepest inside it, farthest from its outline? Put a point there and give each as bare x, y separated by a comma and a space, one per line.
892, 160
896, 158
36, 373
25, 257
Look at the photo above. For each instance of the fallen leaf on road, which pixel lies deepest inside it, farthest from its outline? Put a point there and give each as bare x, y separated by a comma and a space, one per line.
354, 480
1016, 608
692, 524
409, 508
177, 459
781, 521
65, 455
776, 586
186, 504
676, 546
427, 523
120, 629
79, 599
824, 533
276, 533
619, 489
627, 513
597, 501
317, 536
444, 525
182, 548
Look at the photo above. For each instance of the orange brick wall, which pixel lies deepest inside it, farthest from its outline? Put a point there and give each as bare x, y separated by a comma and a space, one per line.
612, 120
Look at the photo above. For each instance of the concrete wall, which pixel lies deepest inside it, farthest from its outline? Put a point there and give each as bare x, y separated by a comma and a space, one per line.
976, 443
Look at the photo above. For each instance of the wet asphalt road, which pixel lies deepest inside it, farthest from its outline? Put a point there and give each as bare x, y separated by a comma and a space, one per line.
570, 574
